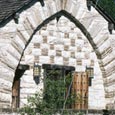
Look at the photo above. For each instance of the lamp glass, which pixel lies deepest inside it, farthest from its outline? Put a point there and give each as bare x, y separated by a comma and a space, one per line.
90, 71
36, 70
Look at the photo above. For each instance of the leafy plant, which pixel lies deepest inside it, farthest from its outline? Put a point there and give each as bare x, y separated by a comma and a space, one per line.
53, 97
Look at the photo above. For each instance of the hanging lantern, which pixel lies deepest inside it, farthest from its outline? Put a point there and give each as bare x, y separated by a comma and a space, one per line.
42, 3
90, 73
16, 17
36, 72
89, 4
110, 27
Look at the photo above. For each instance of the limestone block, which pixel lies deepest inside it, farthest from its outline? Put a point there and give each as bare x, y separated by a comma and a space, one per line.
29, 59
52, 7
80, 68
6, 72
5, 97
108, 59
79, 55
24, 33
86, 62
98, 87
51, 53
111, 77
96, 99
44, 59
86, 49
58, 60
72, 62
72, 35
7, 57
52, 26
97, 81
14, 52
79, 42
27, 90
32, 19
58, 52
5, 84
36, 52
37, 39
65, 54
68, 5
54, 40
92, 55
59, 47
58, 4
45, 45
44, 52
65, 30
104, 46
72, 48
80, 12
27, 79
28, 85
23, 102
101, 38
87, 21
23, 96
112, 41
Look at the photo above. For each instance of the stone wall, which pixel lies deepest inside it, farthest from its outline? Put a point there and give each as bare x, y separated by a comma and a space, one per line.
75, 51
64, 44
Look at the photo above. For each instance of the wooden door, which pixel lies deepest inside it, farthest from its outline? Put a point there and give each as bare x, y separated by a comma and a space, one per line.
16, 94
80, 89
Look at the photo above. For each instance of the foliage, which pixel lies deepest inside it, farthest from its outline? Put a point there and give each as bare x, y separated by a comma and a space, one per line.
53, 97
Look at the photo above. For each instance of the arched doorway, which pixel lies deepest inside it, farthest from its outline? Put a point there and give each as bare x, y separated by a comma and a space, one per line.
44, 38
12, 50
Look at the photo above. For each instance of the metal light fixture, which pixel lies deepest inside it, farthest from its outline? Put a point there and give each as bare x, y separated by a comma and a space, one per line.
89, 4
16, 18
36, 72
42, 3
90, 73
110, 27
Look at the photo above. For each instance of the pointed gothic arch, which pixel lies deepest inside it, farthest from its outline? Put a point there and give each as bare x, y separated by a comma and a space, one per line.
76, 22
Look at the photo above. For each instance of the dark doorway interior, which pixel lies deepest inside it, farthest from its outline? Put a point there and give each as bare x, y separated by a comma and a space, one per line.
59, 77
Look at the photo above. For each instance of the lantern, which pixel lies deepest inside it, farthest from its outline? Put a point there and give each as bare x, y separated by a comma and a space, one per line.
110, 27
89, 4
90, 73
36, 72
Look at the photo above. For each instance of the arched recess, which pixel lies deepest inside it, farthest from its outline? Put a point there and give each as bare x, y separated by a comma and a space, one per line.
76, 22
78, 25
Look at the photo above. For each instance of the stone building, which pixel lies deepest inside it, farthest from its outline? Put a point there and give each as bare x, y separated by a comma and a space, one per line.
60, 32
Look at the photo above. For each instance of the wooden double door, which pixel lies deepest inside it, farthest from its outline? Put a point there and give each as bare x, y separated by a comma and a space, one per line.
80, 89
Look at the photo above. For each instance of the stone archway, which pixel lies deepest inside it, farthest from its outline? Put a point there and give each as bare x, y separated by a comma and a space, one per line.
41, 54
77, 23
20, 38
